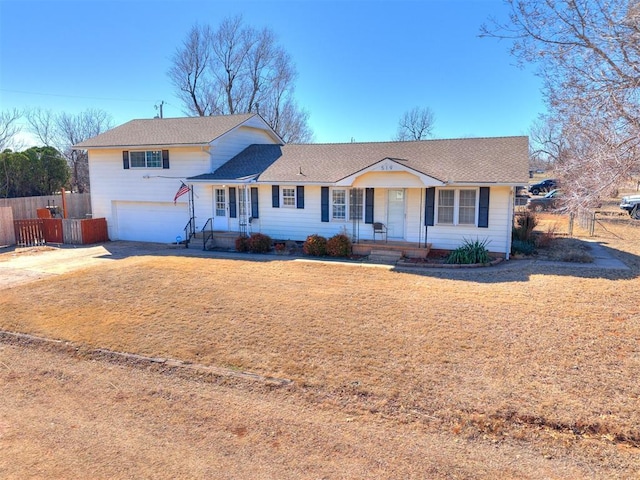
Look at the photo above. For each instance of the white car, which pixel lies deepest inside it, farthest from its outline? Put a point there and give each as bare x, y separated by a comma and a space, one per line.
631, 203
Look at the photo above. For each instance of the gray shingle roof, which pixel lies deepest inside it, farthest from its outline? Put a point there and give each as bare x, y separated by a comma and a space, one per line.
251, 162
470, 160
166, 131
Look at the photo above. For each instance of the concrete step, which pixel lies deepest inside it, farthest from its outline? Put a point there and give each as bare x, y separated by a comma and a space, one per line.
389, 257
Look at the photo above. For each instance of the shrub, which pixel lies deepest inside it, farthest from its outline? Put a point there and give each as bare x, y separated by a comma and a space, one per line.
545, 239
242, 243
315, 245
470, 252
525, 248
259, 243
525, 223
339, 246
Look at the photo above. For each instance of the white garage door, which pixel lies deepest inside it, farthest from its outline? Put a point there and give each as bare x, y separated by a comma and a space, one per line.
151, 221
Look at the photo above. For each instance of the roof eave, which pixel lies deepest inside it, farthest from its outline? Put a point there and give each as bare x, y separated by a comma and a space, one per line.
140, 146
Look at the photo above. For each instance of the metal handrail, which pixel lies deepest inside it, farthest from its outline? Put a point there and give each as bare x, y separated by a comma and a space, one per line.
206, 238
189, 231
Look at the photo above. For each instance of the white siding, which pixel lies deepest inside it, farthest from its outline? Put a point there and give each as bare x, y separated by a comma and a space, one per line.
228, 146
498, 234
203, 209
110, 182
297, 224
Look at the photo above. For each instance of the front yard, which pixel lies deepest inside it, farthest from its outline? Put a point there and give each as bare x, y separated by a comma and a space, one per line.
541, 361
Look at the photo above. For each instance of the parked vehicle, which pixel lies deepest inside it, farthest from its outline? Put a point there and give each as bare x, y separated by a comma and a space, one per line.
631, 203
544, 186
550, 201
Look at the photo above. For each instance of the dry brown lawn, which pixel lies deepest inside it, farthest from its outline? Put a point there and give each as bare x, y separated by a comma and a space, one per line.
516, 371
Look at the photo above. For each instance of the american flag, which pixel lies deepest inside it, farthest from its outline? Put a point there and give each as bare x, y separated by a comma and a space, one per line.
181, 191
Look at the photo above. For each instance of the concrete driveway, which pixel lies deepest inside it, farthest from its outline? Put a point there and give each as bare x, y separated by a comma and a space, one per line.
25, 265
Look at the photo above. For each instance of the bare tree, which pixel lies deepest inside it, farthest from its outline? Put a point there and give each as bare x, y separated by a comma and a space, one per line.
415, 124
189, 73
546, 143
238, 69
588, 54
64, 130
9, 128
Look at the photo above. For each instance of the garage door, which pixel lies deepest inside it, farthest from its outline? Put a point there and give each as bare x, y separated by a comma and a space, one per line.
151, 221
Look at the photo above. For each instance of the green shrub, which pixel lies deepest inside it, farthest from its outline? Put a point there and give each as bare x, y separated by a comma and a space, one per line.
470, 253
339, 245
519, 246
315, 245
259, 243
242, 243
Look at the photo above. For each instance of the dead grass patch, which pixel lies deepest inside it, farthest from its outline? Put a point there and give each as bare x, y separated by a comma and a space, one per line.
548, 358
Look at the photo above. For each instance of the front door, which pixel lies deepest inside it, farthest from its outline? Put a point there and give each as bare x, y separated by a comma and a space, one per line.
220, 209
395, 214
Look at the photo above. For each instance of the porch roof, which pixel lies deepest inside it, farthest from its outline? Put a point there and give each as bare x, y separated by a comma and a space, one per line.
501, 160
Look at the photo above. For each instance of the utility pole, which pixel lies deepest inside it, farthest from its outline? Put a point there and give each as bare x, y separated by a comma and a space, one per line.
160, 107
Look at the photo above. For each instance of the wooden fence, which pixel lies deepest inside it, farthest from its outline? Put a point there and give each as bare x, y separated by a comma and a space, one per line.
38, 231
78, 205
7, 233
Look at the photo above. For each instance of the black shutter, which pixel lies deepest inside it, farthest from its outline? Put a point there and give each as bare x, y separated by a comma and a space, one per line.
232, 202
324, 204
165, 159
125, 160
368, 205
483, 211
300, 197
254, 202
429, 207
275, 196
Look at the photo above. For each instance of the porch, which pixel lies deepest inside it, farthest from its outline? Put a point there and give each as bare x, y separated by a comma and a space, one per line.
391, 247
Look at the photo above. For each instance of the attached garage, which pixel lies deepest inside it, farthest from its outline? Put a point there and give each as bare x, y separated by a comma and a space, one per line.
150, 221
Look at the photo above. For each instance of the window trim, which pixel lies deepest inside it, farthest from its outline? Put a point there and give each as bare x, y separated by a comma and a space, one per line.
347, 205
456, 207
294, 197
146, 159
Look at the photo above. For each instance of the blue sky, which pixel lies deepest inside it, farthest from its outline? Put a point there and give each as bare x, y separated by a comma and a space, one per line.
361, 63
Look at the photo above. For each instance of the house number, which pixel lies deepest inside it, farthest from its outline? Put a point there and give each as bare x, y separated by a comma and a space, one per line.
386, 167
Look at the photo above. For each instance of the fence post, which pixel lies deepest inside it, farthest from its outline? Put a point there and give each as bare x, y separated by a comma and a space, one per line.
593, 224
571, 215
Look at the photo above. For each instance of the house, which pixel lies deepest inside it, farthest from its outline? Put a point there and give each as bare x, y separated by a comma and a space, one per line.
242, 178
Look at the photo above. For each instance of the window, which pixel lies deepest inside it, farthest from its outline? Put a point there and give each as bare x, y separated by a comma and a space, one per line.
457, 207
242, 197
339, 204
355, 203
288, 197
446, 206
221, 203
467, 209
343, 202
148, 159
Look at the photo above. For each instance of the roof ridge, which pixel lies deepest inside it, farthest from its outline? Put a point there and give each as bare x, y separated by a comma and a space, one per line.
412, 141
196, 116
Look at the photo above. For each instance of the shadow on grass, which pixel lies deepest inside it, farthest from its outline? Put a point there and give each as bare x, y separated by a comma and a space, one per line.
608, 264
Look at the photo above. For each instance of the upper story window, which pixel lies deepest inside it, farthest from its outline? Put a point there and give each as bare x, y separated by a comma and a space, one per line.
346, 202
457, 207
147, 159
288, 197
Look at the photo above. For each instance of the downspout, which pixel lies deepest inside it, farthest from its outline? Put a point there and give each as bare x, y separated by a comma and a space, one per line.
511, 217
420, 218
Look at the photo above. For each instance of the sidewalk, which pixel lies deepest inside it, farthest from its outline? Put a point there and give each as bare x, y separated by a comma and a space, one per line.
601, 259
